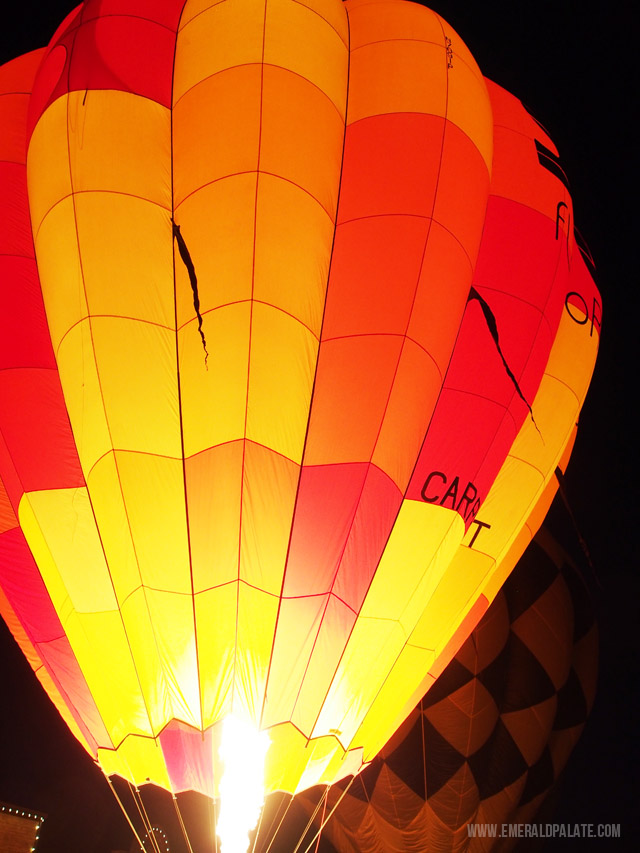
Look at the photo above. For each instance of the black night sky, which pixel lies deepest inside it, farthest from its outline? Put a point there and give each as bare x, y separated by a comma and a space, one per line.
571, 64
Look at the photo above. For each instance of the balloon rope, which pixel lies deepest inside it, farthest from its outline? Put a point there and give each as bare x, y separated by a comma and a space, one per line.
214, 824
324, 811
424, 747
361, 778
137, 798
181, 822
273, 837
311, 819
255, 840
124, 812
328, 818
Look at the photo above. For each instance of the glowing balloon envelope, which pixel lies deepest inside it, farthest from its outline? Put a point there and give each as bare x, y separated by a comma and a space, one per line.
295, 335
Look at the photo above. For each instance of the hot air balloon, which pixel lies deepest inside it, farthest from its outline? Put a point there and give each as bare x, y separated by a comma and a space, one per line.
485, 745
296, 332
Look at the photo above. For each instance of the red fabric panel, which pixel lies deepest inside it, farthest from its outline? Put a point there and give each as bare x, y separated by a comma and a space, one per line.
26, 593
25, 589
522, 275
16, 77
66, 674
164, 12
402, 147
325, 510
344, 514
130, 48
463, 184
508, 112
520, 254
36, 428
188, 754
376, 266
24, 334
378, 506
38, 451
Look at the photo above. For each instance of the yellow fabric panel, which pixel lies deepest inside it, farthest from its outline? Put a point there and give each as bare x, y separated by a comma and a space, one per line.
286, 758
498, 573
56, 244
214, 486
160, 630
118, 249
127, 258
342, 765
421, 542
152, 489
264, 243
322, 754
397, 76
299, 621
233, 27
292, 763
302, 135
48, 174
257, 614
299, 39
119, 142
216, 130
421, 545
217, 224
281, 373
451, 600
98, 638
291, 263
373, 647
216, 649
509, 502
107, 501
542, 449
138, 384
83, 396
337, 621
269, 491
316, 51
389, 710
280, 376
138, 759
573, 354
60, 529
214, 395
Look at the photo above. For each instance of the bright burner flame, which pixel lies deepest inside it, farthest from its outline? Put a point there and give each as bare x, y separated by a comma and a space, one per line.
242, 751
